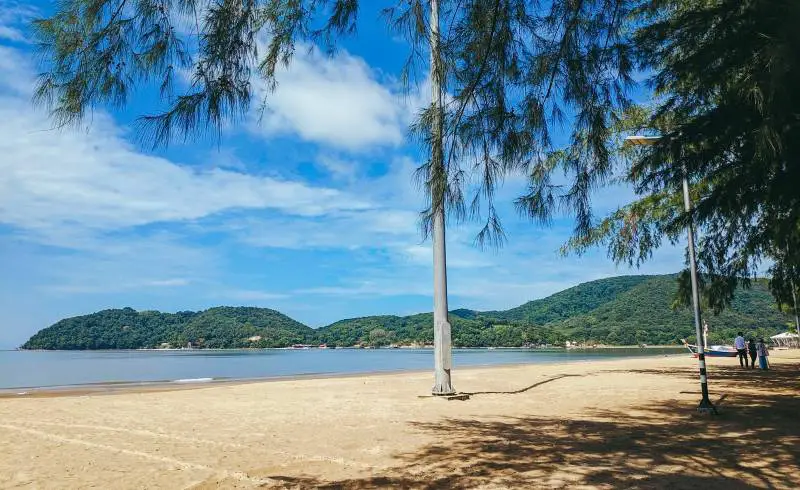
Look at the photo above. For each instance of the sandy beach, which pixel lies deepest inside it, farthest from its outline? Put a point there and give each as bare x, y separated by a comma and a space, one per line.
602, 424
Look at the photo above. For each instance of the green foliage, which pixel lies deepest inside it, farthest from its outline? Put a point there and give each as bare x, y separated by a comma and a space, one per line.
785, 282
223, 327
725, 74
514, 71
644, 313
570, 302
380, 337
98, 52
623, 310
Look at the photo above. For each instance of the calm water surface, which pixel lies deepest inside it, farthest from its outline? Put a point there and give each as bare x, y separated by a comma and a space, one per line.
24, 369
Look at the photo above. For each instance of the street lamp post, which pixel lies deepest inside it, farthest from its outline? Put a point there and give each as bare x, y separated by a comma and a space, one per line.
705, 403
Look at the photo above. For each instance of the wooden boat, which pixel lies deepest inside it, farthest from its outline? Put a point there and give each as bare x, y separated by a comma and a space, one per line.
712, 350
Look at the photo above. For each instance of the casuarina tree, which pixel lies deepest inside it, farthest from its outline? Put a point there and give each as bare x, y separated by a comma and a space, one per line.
724, 74
506, 76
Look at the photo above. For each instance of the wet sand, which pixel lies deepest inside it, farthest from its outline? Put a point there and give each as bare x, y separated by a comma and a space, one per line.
627, 423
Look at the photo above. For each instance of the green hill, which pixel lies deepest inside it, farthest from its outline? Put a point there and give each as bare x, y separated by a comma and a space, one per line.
222, 327
568, 303
622, 310
643, 313
418, 329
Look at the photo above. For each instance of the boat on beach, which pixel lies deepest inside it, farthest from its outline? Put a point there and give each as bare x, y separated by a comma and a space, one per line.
712, 350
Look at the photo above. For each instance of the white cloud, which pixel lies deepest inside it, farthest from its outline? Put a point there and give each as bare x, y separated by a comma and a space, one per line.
376, 228
392, 222
17, 73
95, 180
460, 255
11, 34
102, 287
119, 262
371, 288
336, 101
59, 180
251, 295
337, 167
13, 16
511, 280
177, 281
93, 192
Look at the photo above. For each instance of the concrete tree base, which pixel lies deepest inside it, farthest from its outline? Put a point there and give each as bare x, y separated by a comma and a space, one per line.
707, 408
442, 385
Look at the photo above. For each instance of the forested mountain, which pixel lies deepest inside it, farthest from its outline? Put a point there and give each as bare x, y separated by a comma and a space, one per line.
469, 329
621, 310
568, 303
624, 310
644, 313
222, 327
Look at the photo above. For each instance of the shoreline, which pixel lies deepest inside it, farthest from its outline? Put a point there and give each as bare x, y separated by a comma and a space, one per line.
607, 423
255, 349
159, 386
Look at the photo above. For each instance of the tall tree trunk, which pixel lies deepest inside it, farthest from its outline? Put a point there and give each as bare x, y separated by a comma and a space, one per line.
794, 306
790, 272
442, 350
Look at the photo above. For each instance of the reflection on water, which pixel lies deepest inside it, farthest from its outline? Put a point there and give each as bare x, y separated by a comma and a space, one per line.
61, 368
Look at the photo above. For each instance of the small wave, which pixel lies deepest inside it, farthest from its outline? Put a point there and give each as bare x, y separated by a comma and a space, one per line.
193, 380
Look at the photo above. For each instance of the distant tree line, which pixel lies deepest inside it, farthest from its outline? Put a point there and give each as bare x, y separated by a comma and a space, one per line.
223, 328
626, 310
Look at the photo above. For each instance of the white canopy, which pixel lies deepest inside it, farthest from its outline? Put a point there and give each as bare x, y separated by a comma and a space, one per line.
786, 338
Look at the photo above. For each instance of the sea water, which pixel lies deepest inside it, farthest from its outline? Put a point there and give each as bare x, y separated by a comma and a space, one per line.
39, 369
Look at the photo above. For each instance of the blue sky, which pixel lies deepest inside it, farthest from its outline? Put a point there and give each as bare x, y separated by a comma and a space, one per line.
311, 211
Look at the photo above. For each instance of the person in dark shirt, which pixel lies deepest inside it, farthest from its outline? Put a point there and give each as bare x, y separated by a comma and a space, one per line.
751, 349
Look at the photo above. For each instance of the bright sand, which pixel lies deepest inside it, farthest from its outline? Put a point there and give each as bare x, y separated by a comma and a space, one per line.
608, 424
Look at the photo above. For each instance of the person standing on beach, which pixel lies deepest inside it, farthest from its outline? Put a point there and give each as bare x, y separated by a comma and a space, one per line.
763, 353
751, 348
741, 348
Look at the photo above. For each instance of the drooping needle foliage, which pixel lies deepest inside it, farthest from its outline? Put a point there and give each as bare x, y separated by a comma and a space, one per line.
515, 73
725, 75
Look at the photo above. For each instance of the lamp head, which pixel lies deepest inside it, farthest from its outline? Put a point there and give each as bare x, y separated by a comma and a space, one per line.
640, 140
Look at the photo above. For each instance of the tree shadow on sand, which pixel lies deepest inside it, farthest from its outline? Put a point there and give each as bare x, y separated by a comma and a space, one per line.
753, 443
522, 390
